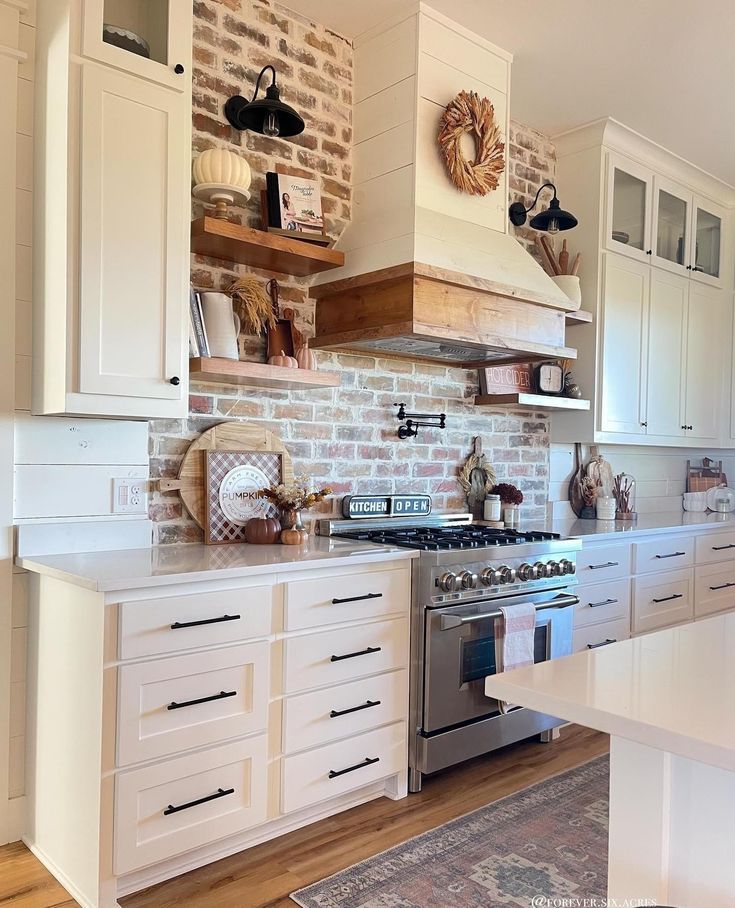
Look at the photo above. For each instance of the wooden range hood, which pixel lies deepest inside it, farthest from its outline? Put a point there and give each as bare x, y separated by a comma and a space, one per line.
422, 311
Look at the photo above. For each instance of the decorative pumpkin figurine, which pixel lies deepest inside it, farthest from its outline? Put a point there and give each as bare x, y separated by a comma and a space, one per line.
291, 501
262, 530
287, 362
297, 535
305, 357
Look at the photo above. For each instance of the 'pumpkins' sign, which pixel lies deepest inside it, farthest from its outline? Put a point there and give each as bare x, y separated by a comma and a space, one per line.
233, 481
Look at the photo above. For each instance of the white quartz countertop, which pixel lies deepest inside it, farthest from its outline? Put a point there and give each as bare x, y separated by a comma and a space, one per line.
647, 524
169, 564
672, 690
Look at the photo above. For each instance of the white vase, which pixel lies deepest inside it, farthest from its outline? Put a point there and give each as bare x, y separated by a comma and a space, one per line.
569, 284
222, 325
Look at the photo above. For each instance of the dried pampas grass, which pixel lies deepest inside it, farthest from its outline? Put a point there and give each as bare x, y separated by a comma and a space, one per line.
256, 307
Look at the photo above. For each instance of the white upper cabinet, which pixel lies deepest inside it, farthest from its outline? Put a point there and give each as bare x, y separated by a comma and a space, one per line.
150, 38
629, 205
672, 212
706, 241
112, 211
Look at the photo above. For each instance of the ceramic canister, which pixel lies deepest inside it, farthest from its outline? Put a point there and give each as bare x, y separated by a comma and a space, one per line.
222, 325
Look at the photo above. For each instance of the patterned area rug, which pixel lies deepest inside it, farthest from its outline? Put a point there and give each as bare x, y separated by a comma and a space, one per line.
548, 840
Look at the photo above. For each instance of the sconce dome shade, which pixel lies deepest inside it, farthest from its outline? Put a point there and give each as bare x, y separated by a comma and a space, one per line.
565, 220
218, 165
252, 115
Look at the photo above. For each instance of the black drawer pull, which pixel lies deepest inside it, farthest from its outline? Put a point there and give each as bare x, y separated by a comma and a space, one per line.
368, 761
179, 624
597, 567
604, 602
604, 643
721, 548
358, 598
362, 652
722, 586
353, 709
671, 555
220, 793
223, 694
669, 598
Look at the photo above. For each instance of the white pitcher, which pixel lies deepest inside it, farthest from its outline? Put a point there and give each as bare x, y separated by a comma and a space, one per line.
222, 324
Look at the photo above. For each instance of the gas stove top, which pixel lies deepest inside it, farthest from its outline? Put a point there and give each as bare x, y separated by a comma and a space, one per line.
442, 538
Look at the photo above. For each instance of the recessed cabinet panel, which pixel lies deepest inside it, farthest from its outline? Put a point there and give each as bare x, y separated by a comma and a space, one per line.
707, 243
624, 343
708, 334
132, 289
666, 347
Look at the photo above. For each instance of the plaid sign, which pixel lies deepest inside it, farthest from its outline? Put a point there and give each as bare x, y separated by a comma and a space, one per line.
232, 481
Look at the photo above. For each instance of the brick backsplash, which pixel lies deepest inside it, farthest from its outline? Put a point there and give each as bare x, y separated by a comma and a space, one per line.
343, 437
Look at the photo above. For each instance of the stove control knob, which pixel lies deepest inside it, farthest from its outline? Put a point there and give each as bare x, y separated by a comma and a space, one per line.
508, 574
467, 580
567, 566
527, 572
491, 576
555, 569
542, 570
448, 582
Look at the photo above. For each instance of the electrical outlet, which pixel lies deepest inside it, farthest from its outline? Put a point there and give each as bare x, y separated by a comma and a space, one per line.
129, 495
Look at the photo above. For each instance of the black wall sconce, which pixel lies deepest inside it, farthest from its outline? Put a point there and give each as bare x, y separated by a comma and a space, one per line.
269, 115
413, 421
552, 219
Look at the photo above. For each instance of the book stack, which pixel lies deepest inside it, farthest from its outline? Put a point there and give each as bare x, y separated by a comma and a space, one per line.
198, 343
292, 206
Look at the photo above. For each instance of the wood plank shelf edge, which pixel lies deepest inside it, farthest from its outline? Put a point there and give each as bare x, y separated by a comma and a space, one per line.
581, 316
531, 402
218, 370
234, 243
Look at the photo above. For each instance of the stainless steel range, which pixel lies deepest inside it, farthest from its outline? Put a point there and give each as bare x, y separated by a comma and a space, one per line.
464, 573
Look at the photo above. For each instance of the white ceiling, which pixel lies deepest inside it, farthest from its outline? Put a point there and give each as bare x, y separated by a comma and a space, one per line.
665, 68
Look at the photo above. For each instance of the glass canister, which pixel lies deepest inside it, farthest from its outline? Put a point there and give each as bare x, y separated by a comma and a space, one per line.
624, 494
606, 507
492, 508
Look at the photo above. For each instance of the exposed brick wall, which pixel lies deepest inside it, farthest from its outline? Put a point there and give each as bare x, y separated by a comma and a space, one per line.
532, 162
344, 437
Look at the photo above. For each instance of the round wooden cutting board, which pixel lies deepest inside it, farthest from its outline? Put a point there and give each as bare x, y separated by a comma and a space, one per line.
228, 436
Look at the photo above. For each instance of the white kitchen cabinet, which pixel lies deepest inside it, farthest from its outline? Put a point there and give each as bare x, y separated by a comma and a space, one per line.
111, 225
707, 352
671, 226
629, 207
666, 346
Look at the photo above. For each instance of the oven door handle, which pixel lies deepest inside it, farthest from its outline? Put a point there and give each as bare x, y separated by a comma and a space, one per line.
449, 622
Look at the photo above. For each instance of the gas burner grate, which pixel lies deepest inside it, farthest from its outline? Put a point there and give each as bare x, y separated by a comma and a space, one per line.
447, 538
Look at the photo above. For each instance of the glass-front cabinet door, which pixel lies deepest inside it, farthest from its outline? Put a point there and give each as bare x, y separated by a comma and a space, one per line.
706, 242
149, 38
629, 200
672, 207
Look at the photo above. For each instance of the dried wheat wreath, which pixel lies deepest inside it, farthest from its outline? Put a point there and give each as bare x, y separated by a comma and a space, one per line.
469, 114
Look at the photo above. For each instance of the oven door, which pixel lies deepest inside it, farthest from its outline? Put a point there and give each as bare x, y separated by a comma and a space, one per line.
460, 654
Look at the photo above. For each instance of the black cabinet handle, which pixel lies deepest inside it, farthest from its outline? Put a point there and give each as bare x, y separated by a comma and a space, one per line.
175, 380
177, 625
597, 567
604, 602
358, 598
353, 709
179, 69
604, 643
722, 586
649, 251
220, 793
721, 548
671, 554
669, 598
368, 761
222, 695
362, 652
689, 267
644, 424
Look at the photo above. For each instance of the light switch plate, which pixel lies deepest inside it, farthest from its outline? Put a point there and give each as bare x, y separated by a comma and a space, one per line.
129, 495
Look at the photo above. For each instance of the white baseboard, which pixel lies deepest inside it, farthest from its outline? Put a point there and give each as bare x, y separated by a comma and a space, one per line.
78, 896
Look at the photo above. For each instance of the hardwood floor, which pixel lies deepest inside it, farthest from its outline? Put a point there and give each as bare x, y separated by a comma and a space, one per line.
264, 876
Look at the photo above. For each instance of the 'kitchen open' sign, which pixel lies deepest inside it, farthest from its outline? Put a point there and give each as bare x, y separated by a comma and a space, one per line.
358, 506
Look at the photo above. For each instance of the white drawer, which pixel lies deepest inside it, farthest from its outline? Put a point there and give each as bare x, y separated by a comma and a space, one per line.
662, 601
229, 782
160, 706
318, 775
155, 626
588, 638
346, 597
333, 657
663, 554
714, 589
348, 709
602, 602
606, 562
715, 547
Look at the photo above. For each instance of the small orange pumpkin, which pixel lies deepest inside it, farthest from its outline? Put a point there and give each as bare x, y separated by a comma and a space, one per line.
294, 536
262, 530
305, 357
287, 362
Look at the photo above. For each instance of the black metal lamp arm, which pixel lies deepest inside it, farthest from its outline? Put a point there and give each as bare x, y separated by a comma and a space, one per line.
540, 190
260, 76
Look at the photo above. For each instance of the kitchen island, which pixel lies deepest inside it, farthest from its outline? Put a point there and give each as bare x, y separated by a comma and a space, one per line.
666, 700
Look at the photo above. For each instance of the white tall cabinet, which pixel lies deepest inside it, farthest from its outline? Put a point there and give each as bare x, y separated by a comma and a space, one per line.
656, 238
113, 139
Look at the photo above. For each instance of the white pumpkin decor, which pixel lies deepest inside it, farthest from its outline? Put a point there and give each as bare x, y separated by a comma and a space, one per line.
221, 178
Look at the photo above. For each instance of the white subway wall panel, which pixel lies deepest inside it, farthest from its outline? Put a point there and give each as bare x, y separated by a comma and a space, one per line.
477, 58
23, 327
22, 382
23, 217
41, 440
24, 170
28, 46
19, 611
384, 152
386, 59
23, 272
390, 107
25, 107
51, 490
68, 536
16, 775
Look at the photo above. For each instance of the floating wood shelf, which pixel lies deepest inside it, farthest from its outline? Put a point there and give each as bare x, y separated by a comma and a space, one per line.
234, 243
259, 375
531, 402
582, 316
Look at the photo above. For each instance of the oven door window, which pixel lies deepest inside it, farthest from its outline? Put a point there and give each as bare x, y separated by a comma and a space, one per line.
478, 655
